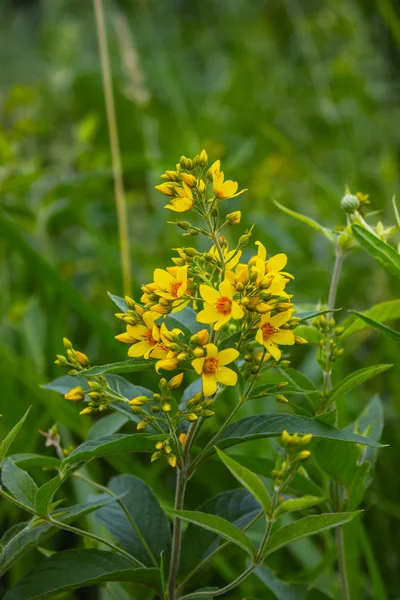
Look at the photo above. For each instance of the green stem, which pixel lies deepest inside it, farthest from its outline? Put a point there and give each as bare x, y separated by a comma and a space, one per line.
342, 564
225, 589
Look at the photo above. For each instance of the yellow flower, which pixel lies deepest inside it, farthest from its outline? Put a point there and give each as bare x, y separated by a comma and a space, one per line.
145, 338
213, 370
184, 200
172, 283
223, 189
219, 306
270, 336
231, 257
167, 189
275, 264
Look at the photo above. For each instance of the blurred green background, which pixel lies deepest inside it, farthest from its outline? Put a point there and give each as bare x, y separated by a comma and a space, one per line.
298, 99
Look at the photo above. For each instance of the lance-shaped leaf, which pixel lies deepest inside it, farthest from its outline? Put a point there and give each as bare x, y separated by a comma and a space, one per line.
142, 528
23, 537
111, 444
384, 311
293, 504
263, 426
308, 221
8, 440
392, 333
386, 254
133, 365
75, 569
305, 316
236, 506
287, 591
19, 483
354, 380
28, 459
217, 525
249, 480
306, 527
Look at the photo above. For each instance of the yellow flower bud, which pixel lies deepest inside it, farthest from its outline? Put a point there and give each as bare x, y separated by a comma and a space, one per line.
306, 439
303, 455
200, 338
141, 426
190, 180
168, 364
159, 445
155, 456
138, 401
166, 188
172, 460
203, 159
76, 394
166, 407
198, 352
234, 217
182, 438
67, 344
300, 340
192, 417
82, 358
175, 382
86, 411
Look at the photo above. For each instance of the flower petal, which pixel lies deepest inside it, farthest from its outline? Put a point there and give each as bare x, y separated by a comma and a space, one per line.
273, 350
208, 315
197, 365
227, 356
209, 294
139, 349
277, 262
225, 288
262, 251
163, 279
209, 385
221, 321
237, 311
281, 318
137, 331
211, 349
286, 338
226, 376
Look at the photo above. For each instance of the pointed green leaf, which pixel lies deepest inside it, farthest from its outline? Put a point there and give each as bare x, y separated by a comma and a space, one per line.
45, 494
384, 311
392, 333
287, 591
249, 480
133, 365
307, 220
386, 254
297, 504
217, 525
111, 444
306, 527
19, 483
8, 440
75, 569
315, 313
146, 533
107, 425
354, 380
26, 460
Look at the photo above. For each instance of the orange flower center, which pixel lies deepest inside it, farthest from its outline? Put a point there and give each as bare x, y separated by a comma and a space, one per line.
175, 288
268, 330
210, 366
149, 338
224, 305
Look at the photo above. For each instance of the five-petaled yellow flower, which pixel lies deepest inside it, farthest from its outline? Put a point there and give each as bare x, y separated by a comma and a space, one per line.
145, 339
183, 201
172, 283
273, 265
213, 370
219, 306
223, 189
270, 336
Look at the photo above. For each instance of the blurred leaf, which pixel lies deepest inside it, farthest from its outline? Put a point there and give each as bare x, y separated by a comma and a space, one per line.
74, 569
35, 460
133, 365
248, 480
110, 444
311, 334
354, 380
387, 255
308, 221
287, 591
237, 506
217, 525
293, 504
145, 534
311, 315
120, 302
185, 320
385, 311
395, 335
358, 484
8, 440
337, 460
107, 426
19, 483
304, 527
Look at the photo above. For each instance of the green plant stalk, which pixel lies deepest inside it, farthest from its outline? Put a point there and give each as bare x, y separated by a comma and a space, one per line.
225, 589
120, 199
327, 385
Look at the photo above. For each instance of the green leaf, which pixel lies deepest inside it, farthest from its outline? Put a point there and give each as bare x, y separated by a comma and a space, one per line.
354, 380
8, 440
384, 311
120, 302
263, 426
107, 425
308, 221
315, 313
305, 527
297, 504
75, 569
146, 533
395, 335
387, 255
23, 537
217, 525
111, 444
358, 485
45, 494
311, 334
133, 365
337, 460
36, 460
185, 320
236, 506
249, 480
19, 483
287, 591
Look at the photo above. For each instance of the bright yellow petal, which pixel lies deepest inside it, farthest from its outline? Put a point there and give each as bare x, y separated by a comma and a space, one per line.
197, 365
148, 319
225, 289
139, 349
137, 331
211, 349
125, 338
273, 350
259, 337
281, 318
155, 333
209, 294
208, 315
277, 262
227, 356
209, 385
158, 352
226, 376
262, 251
221, 321
163, 279
237, 311
286, 338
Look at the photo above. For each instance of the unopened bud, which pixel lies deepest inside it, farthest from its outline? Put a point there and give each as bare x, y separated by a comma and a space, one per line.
281, 399
207, 413
175, 382
198, 352
192, 417
139, 401
233, 218
303, 455
300, 340
86, 411
350, 203
67, 344
76, 394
